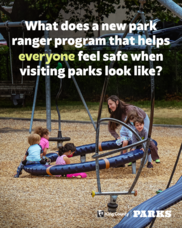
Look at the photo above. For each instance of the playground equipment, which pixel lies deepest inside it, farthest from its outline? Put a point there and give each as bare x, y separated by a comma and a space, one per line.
19, 89
48, 101
59, 139
161, 201
172, 6
132, 156
113, 195
98, 164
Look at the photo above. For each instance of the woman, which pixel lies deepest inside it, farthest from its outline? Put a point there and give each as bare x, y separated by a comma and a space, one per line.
119, 110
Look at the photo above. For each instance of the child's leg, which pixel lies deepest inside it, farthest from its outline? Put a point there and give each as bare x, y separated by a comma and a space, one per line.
125, 143
146, 122
149, 158
19, 169
149, 165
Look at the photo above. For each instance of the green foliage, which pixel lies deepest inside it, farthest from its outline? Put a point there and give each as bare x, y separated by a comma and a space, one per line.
4, 66
128, 87
152, 9
52, 11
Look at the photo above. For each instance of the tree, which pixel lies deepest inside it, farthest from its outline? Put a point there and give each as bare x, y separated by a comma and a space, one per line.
33, 10
152, 8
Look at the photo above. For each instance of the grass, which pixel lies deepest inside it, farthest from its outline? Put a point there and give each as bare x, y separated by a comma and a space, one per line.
166, 112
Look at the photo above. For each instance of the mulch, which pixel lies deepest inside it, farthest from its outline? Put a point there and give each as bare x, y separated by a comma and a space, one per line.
39, 201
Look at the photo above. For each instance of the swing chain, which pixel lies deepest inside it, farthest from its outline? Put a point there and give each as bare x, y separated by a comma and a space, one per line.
8, 30
23, 30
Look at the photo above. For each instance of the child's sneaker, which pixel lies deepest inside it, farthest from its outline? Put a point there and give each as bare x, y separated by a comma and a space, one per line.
157, 161
17, 175
130, 164
149, 165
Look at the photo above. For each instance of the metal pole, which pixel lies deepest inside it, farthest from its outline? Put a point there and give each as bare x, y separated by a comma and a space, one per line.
176, 9
101, 103
119, 149
10, 55
57, 97
47, 85
23, 46
16, 24
81, 96
110, 66
34, 100
172, 6
97, 160
115, 193
151, 111
177, 159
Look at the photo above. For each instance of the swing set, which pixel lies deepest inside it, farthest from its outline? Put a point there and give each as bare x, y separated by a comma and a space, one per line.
16, 90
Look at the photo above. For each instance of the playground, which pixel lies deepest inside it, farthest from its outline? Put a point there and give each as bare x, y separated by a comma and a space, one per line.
49, 194
39, 201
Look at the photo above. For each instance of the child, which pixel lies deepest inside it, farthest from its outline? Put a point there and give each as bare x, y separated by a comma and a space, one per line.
33, 153
44, 134
125, 133
143, 133
63, 159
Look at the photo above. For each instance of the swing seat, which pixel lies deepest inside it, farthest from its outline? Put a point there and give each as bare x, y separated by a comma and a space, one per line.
17, 90
59, 138
18, 98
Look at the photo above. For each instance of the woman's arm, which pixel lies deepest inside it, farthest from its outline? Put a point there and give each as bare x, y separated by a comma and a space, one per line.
113, 133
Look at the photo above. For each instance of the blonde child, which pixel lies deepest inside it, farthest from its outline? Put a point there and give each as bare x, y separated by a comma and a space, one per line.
32, 155
63, 159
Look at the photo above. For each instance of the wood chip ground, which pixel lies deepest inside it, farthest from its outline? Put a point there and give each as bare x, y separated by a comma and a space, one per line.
51, 202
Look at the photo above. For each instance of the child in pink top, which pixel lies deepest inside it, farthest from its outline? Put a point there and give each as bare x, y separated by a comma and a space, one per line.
44, 134
63, 159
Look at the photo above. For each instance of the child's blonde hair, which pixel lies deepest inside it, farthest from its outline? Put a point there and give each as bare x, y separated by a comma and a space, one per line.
33, 139
41, 131
131, 116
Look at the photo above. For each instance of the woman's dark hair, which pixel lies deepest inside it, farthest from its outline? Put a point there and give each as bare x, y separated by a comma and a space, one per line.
66, 148
131, 116
117, 114
41, 131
